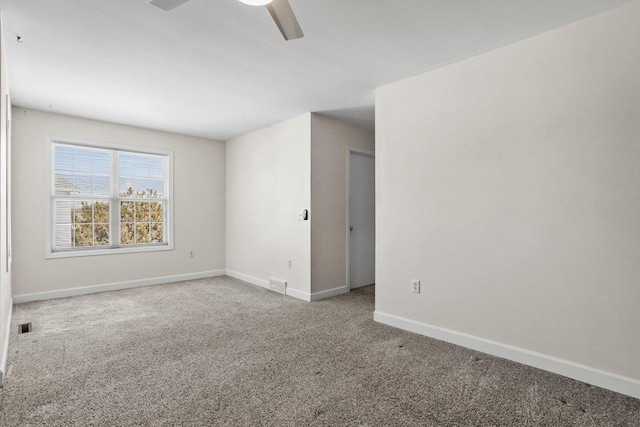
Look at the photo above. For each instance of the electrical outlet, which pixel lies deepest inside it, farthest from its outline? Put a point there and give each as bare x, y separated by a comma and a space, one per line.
289, 263
415, 286
191, 253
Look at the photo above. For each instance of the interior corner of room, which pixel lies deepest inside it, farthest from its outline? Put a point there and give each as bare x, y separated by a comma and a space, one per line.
491, 197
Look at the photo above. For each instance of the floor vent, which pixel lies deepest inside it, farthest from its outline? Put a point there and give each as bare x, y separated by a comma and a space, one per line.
23, 328
277, 285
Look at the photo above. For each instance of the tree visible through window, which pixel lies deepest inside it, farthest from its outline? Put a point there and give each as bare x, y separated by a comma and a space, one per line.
104, 198
141, 178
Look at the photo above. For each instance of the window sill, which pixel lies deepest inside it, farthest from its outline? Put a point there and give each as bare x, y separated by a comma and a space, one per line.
111, 251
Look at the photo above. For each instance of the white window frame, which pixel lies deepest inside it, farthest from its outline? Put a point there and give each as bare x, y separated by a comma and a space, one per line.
114, 211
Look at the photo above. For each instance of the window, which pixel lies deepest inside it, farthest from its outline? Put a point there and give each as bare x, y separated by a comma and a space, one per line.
107, 200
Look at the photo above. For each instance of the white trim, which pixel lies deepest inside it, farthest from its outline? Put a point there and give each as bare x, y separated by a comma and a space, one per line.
265, 284
112, 251
304, 296
8, 198
48, 209
576, 371
5, 350
352, 150
63, 293
316, 296
249, 279
107, 145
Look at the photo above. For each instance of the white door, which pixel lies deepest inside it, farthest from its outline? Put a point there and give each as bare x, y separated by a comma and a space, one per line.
362, 219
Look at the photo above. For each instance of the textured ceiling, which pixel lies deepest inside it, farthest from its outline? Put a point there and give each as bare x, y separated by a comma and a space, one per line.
220, 68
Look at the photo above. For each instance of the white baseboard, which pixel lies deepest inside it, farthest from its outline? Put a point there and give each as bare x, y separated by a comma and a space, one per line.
62, 293
304, 296
265, 284
248, 279
316, 296
610, 381
5, 348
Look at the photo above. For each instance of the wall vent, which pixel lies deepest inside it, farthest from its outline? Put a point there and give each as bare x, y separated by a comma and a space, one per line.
23, 328
277, 285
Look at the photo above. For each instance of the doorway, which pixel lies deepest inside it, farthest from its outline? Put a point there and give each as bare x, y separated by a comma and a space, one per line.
361, 218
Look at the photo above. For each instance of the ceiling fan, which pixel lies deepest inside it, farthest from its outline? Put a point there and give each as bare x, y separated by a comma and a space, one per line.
280, 11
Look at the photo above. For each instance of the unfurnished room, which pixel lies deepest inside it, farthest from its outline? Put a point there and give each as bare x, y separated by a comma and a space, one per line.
319, 213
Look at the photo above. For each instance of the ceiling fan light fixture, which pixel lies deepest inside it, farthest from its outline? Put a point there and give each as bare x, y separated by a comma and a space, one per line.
256, 2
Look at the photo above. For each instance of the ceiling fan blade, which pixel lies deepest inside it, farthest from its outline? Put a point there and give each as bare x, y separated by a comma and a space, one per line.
167, 4
286, 21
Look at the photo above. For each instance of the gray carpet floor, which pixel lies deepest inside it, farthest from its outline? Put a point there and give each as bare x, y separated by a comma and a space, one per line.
222, 352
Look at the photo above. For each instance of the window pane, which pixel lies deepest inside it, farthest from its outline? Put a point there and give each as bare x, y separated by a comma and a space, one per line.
81, 223
63, 159
101, 212
157, 234
63, 184
156, 188
84, 235
83, 212
142, 233
157, 211
82, 160
82, 184
126, 164
127, 234
156, 167
64, 212
141, 186
136, 188
142, 211
64, 236
126, 187
141, 167
81, 171
127, 211
101, 234
101, 163
142, 176
63, 232
101, 185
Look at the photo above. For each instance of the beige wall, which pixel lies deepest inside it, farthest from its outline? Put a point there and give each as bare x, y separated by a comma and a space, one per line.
329, 141
199, 181
509, 185
5, 164
268, 182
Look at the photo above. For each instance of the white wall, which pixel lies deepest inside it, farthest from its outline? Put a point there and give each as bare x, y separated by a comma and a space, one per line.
509, 185
5, 226
268, 182
199, 210
329, 141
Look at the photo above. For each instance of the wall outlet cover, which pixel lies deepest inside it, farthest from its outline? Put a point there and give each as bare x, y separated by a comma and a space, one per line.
415, 286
